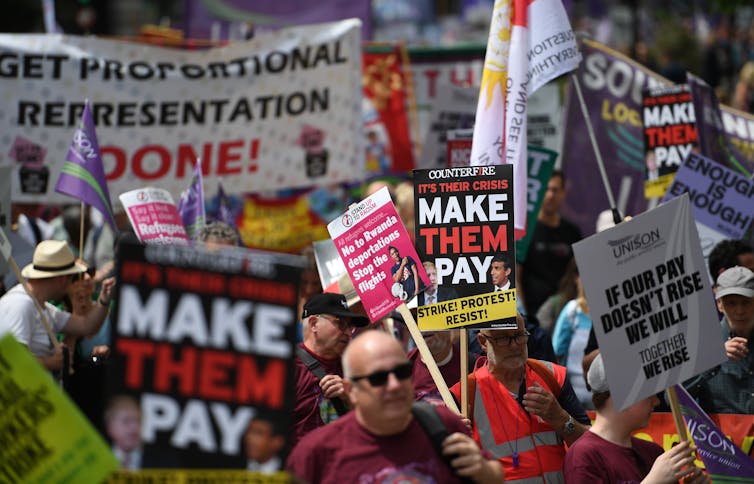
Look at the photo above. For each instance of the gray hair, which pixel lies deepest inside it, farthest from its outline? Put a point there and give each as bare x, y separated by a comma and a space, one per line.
217, 230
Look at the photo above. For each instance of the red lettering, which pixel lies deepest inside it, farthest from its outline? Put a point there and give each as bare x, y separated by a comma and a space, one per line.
428, 234
136, 272
467, 82
495, 242
431, 78
184, 369
258, 388
120, 161
137, 162
135, 352
225, 157
469, 239
213, 377
187, 159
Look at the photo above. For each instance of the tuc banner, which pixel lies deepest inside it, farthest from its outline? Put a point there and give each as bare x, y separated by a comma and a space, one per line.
204, 342
651, 301
378, 255
281, 110
464, 225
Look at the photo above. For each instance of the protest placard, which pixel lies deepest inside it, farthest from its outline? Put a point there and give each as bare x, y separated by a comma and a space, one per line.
459, 147
329, 264
43, 435
378, 254
651, 302
154, 216
262, 114
721, 199
669, 135
464, 222
204, 340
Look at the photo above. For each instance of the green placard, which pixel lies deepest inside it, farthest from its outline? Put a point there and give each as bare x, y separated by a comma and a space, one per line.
540, 165
43, 436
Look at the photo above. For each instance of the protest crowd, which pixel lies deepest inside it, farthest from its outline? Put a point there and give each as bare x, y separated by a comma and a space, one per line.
354, 311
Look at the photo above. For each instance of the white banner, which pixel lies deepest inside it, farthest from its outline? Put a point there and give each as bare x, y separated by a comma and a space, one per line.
279, 111
651, 302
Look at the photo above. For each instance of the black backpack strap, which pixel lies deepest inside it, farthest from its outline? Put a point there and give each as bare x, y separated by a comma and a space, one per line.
313, 365
435, 428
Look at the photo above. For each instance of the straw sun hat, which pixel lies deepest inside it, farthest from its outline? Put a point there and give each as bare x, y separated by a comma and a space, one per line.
52, 258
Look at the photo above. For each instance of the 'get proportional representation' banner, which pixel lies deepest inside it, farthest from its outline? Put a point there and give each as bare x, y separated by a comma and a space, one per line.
281, 110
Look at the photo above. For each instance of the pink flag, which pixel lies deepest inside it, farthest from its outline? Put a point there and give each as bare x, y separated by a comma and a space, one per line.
530, 43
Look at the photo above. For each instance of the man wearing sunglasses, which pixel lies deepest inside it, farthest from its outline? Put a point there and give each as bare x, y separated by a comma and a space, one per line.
380, 440
320, 397
522, 410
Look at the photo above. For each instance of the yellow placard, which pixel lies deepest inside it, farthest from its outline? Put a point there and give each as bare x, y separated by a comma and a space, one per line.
658, 187
497, 308
43, 435
197, 476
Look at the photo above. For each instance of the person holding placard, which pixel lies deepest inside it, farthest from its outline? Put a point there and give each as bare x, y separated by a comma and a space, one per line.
728, 388
522, 410
52, 270
607, 452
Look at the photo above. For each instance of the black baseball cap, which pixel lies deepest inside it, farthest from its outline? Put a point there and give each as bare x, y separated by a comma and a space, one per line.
335, 304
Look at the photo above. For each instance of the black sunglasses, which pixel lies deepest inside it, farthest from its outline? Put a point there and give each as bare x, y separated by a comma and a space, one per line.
379, 378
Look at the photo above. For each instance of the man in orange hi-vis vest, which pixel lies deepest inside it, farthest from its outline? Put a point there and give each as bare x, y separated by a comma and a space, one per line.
523, 411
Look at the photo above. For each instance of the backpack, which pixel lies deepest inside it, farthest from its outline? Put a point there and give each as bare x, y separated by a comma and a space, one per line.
433, 425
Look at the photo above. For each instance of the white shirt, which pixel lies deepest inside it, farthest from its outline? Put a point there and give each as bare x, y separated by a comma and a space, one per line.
503, 288
128, 460
270, 467
21, 319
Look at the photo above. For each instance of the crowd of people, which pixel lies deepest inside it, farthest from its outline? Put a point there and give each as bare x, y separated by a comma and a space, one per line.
367, 408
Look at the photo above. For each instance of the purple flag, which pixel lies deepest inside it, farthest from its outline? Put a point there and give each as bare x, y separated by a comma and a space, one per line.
224, 211
83, 175
191, 204
724, 461
713, 141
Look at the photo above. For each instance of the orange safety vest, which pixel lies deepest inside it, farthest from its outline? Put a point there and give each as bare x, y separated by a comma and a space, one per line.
502, 427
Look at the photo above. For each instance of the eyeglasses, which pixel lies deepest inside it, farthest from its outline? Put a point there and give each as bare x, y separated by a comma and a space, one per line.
518, 339
379, 378
340, 323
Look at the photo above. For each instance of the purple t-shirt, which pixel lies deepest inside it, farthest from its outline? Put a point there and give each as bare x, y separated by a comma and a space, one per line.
424, 385
312, 409
344, 451
593, 459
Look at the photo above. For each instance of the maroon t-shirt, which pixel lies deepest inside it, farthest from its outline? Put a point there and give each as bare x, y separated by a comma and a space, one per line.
312, 409
593, 459
424, 386
344, 451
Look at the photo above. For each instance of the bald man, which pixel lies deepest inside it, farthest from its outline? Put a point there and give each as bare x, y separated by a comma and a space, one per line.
380, 440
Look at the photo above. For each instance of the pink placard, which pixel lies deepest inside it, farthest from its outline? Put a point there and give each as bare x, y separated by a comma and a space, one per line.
378, 254
154, 217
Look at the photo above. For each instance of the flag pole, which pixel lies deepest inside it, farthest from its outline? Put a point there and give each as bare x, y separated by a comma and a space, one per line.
81, 230
427, 357
675, 407
617, 218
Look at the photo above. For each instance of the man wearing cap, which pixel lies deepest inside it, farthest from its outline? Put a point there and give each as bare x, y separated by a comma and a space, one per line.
52, 269
381, 440
607, 452
729, 388
318, 372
